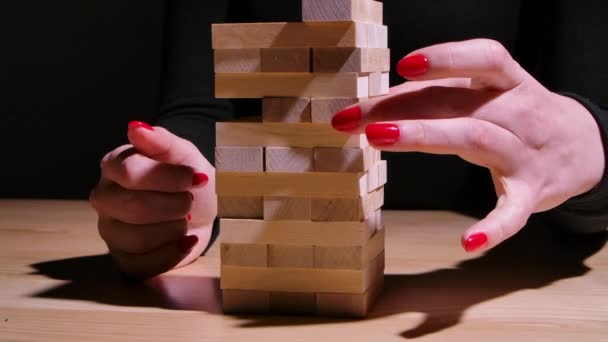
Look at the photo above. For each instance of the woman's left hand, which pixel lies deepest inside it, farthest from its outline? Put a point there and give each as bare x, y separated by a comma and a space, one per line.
473, 100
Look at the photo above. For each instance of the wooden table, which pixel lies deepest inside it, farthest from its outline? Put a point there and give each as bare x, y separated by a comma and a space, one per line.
57, 284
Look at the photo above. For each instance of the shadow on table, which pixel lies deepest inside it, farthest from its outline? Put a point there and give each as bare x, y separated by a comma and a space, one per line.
536, 257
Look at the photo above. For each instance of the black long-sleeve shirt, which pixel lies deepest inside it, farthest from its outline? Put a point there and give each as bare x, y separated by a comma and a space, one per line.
561, 43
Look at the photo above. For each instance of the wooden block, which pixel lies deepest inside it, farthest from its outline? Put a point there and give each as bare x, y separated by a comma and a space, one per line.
378, 34
290, 256
306, 184
240, 159
281, 84
240, 207
286, 109
342, 10
382, 166
351, 60
287, 208
378, 84
346, 209
237, 60
293, 303
278, 35
300, 232
322, 110
385, 86
330, 159
349, 257
245, 302
284, 135
286, 60
350, 304
289, 159
238, 254
287, 279
373, 178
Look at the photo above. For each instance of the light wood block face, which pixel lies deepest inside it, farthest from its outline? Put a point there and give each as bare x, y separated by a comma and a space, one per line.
240, 207
279, 35
382, 166
308, 184
280, 84
290, 256
346, 209
286, 60
244, 254
329, 159
339, 233
293, 303
349, 304
230, 134
342, 10
289, 159
308, 280
323, 109
286, 109
237, 60
351, 60
287, 208
243, 301
239, 159
378, 84
349, 257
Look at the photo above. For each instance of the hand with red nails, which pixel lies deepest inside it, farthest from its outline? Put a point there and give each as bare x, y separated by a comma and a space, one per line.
156, 201
473, 100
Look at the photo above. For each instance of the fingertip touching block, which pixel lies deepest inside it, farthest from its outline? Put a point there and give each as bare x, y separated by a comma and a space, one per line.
286, 60
239, 159
322, 110
287, 208
289, 159
286, 109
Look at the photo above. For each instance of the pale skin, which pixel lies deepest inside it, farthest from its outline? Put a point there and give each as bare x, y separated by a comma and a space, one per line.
474, 101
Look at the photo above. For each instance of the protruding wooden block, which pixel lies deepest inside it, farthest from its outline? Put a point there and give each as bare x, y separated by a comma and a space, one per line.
237, 60
293, 303
233, 134
378, 84
342, 10
245, 302
305, 184
344, 233
280, 84
351, 60
286, 109
349, 257
330, 159
239, 159
290, 256
289, 159
347, 209
289, 279
322, 110
237, 254
287, 208
286, 60
240, 207
295, 34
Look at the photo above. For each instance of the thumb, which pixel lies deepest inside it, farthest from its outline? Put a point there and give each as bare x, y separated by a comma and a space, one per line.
163, 146
510, 215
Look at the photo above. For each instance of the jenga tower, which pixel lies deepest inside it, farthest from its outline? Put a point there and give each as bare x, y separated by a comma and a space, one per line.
300, 202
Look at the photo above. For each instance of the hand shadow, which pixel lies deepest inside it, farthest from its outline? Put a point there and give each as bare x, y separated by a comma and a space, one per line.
536, 257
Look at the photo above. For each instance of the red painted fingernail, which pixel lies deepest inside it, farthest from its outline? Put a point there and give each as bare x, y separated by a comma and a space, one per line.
199, 179
186, 243
140, 124
412, 66
347, 119
382, 134
474, 242
189, 217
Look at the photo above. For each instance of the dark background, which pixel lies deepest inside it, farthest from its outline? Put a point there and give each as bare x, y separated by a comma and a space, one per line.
72, 74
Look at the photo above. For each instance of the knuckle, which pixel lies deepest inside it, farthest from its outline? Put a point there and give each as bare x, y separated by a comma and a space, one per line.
496, 54
418, 135
477, 137
135, 207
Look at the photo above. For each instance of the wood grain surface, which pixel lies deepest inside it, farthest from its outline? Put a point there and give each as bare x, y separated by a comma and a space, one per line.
57, 284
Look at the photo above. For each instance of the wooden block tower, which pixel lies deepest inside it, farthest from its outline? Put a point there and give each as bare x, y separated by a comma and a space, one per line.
300, 202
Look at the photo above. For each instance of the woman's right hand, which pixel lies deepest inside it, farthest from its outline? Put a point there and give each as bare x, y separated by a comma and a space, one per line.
156, 201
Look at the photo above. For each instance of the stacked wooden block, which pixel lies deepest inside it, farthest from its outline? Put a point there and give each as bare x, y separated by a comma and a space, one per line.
300, 202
